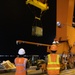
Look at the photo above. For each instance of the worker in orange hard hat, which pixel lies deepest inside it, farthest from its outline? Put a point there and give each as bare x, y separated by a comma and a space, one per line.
53, 64
53, 48
21, 63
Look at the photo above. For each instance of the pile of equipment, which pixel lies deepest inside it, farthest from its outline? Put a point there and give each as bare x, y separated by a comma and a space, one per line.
7, 66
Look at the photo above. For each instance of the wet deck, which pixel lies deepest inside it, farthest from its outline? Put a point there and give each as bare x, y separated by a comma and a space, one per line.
38, 72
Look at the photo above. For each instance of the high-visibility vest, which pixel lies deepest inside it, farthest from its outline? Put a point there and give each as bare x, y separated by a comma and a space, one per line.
20, 65
53, 65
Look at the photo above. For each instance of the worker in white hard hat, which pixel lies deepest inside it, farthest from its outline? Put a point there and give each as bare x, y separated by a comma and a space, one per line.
21, 63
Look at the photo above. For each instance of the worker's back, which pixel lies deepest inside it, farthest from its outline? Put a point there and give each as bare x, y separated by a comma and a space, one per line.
20, 63
20, 66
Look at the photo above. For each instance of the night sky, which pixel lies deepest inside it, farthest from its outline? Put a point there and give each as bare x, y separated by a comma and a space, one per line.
16, 20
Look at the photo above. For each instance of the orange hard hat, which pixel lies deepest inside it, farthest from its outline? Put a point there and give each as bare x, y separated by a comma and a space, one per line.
53, 47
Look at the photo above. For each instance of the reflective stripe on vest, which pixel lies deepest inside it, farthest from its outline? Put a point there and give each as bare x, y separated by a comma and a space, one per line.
50, 62
55, 68
19, 64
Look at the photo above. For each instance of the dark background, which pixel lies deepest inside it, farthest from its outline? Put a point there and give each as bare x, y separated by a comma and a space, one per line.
16, 20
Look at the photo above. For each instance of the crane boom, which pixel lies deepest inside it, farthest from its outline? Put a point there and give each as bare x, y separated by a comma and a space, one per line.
33, 43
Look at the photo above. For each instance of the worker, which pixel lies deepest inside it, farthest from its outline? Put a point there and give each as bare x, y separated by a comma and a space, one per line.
53, 64
21, 63
43, 67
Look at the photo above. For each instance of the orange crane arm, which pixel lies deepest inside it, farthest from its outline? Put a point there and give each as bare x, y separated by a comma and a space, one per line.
27, 42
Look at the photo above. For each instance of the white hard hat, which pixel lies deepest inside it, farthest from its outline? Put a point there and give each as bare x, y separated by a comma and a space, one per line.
21, 51
54, 42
